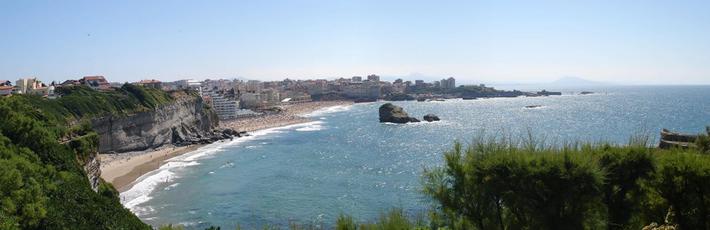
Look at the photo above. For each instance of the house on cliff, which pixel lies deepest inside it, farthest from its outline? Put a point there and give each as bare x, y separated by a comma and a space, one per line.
96, 82
152, 83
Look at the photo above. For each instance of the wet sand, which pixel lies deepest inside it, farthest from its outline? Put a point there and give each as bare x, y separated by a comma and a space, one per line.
122, 169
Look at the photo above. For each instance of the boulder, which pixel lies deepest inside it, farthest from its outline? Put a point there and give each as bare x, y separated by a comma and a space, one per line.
431, 117
230, 132
394, 114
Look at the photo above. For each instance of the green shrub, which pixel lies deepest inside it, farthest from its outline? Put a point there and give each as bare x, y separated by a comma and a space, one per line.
345, 222
626, 168
394, 219
703, 141
500, 186
682, 182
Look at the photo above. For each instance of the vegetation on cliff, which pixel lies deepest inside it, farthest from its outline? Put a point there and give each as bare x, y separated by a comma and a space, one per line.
80, 101
43, 147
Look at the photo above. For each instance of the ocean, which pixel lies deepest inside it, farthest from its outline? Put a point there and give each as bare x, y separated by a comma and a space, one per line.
346, 162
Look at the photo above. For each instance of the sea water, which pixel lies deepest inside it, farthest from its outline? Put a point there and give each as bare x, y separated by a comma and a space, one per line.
346, 162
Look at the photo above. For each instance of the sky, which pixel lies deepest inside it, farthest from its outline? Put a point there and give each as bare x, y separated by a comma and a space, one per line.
626, 42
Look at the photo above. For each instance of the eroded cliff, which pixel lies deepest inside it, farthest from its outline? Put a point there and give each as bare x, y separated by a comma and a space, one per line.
187, 120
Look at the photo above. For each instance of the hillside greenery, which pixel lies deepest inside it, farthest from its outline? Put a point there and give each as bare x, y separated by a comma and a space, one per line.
81, 101
43, 145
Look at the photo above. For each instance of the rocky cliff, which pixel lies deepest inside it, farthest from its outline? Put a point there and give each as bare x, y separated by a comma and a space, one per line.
184, 121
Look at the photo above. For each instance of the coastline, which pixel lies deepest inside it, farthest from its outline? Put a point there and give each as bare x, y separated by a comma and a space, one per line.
292, 114
122, 169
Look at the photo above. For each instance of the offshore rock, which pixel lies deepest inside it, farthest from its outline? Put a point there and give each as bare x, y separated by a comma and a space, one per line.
431, 117
394, 114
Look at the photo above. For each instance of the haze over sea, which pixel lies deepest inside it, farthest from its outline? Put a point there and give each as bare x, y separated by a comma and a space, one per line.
347, 162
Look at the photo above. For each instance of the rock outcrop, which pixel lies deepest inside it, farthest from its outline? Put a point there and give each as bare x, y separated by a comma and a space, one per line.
394, 114
92, 167
676, 140
185, 121
431, 117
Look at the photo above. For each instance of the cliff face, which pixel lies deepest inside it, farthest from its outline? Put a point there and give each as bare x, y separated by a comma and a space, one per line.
187, 120
93, 171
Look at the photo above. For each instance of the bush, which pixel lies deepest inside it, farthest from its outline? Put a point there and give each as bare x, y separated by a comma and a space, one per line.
626, 168
682, 184
499, 185
492, 186
394, 219
703, 141
42, 185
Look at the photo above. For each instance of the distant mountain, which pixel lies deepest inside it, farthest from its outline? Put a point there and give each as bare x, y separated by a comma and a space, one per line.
576, 81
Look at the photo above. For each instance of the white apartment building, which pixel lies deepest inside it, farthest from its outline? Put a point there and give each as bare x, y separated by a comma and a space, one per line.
226, 108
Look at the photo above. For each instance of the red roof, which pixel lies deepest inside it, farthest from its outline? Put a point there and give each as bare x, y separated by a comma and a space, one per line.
5, 87
97, 78
149, 81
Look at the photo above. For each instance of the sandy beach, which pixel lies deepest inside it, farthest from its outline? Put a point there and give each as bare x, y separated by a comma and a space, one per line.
122, 169
291, 114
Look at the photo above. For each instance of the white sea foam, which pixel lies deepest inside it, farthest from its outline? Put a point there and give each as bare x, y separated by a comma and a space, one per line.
171, 186
312, 126
327, 110
146, 184
140, 192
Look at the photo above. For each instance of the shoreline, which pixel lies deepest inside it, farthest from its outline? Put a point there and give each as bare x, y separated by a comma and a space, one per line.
123, 169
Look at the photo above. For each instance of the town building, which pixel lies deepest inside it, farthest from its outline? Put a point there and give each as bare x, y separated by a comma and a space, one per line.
25, 85
224, 107
250, 100
70, 82
95, 82
189, 84
449, 83
373, 77
419, 83
5, 90
152, 83
294, 97
363, 91
270, 97
116, 84
356, 79
253, 86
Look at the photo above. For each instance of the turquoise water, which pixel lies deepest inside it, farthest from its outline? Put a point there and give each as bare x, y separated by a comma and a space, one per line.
347, 162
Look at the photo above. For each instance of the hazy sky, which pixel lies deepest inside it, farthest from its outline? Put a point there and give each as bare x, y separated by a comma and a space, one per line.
651, 42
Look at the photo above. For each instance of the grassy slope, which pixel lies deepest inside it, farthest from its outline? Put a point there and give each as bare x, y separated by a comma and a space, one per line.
42, 184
